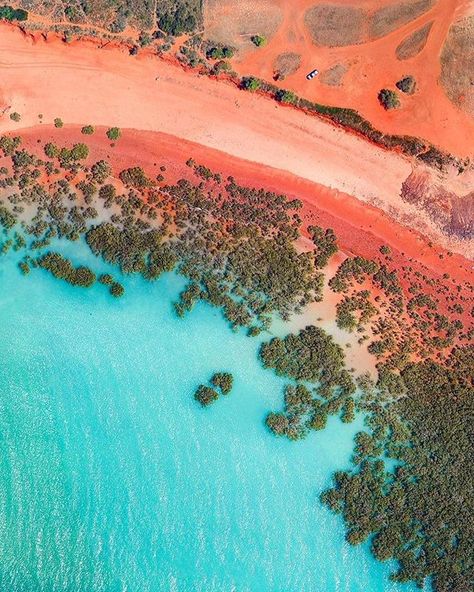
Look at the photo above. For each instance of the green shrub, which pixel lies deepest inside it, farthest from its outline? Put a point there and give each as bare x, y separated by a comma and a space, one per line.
135, 177
286, 96
220, 53
15, 116
106, 279
178, 16
113, 133
100, 171
88, 130
13, 14
51, 150
58, 122
223, 381
250, 83
63, 269
117, 290
407, 85
388, 99
205, 395
79, 152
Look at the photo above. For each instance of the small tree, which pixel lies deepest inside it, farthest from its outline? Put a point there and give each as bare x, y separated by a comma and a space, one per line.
88, 130
79, 152
113, 133
117, 290
286, 96
259, 40
15, 116
223, 381
51, 150
250, 83
58, 122
205, 395
389, 99
13, 14
407, 85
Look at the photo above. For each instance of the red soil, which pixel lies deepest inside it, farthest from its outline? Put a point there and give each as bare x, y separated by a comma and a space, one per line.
428, 114
83, 84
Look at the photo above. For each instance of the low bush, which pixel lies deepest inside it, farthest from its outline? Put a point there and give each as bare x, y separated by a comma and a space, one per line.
113, 133
388, 99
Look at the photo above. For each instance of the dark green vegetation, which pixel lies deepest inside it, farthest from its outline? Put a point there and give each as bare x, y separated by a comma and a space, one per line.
58, 122
63, 269
422, 513
236, 248
407, 85
206, 395
286, 96
222, 383
179, 16
113, 133
259, 40
250, 83
219, 52
13, 14
88, 130
171, 16
388, 99
311, 357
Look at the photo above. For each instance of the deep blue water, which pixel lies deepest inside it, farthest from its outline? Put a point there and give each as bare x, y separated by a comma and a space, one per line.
113, 479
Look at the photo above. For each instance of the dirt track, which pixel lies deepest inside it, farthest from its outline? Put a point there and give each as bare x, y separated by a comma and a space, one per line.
371, 66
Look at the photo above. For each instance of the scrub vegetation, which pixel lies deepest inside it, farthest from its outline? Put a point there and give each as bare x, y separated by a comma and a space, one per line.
323, 385
221, 382
389, 99
13, 14
410, 489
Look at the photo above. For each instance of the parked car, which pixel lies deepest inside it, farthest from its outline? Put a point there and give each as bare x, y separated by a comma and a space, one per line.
312, 74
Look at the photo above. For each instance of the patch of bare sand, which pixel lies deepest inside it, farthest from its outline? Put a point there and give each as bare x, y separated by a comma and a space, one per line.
414, 43
457, 64
84, 85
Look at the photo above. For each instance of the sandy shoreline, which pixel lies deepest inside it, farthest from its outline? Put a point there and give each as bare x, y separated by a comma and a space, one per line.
281, 148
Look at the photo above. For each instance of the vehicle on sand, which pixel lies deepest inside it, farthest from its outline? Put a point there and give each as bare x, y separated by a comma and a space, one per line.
312, 74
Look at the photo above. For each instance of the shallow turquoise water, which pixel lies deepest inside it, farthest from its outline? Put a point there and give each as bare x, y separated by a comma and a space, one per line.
113, 479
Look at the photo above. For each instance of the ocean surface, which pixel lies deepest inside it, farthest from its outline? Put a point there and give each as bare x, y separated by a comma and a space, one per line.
112, 478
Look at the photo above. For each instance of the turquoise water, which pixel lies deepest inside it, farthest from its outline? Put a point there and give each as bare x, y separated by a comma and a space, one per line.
112, 478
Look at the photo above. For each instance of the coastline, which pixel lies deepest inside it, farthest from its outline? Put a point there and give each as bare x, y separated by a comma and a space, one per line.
304, 150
